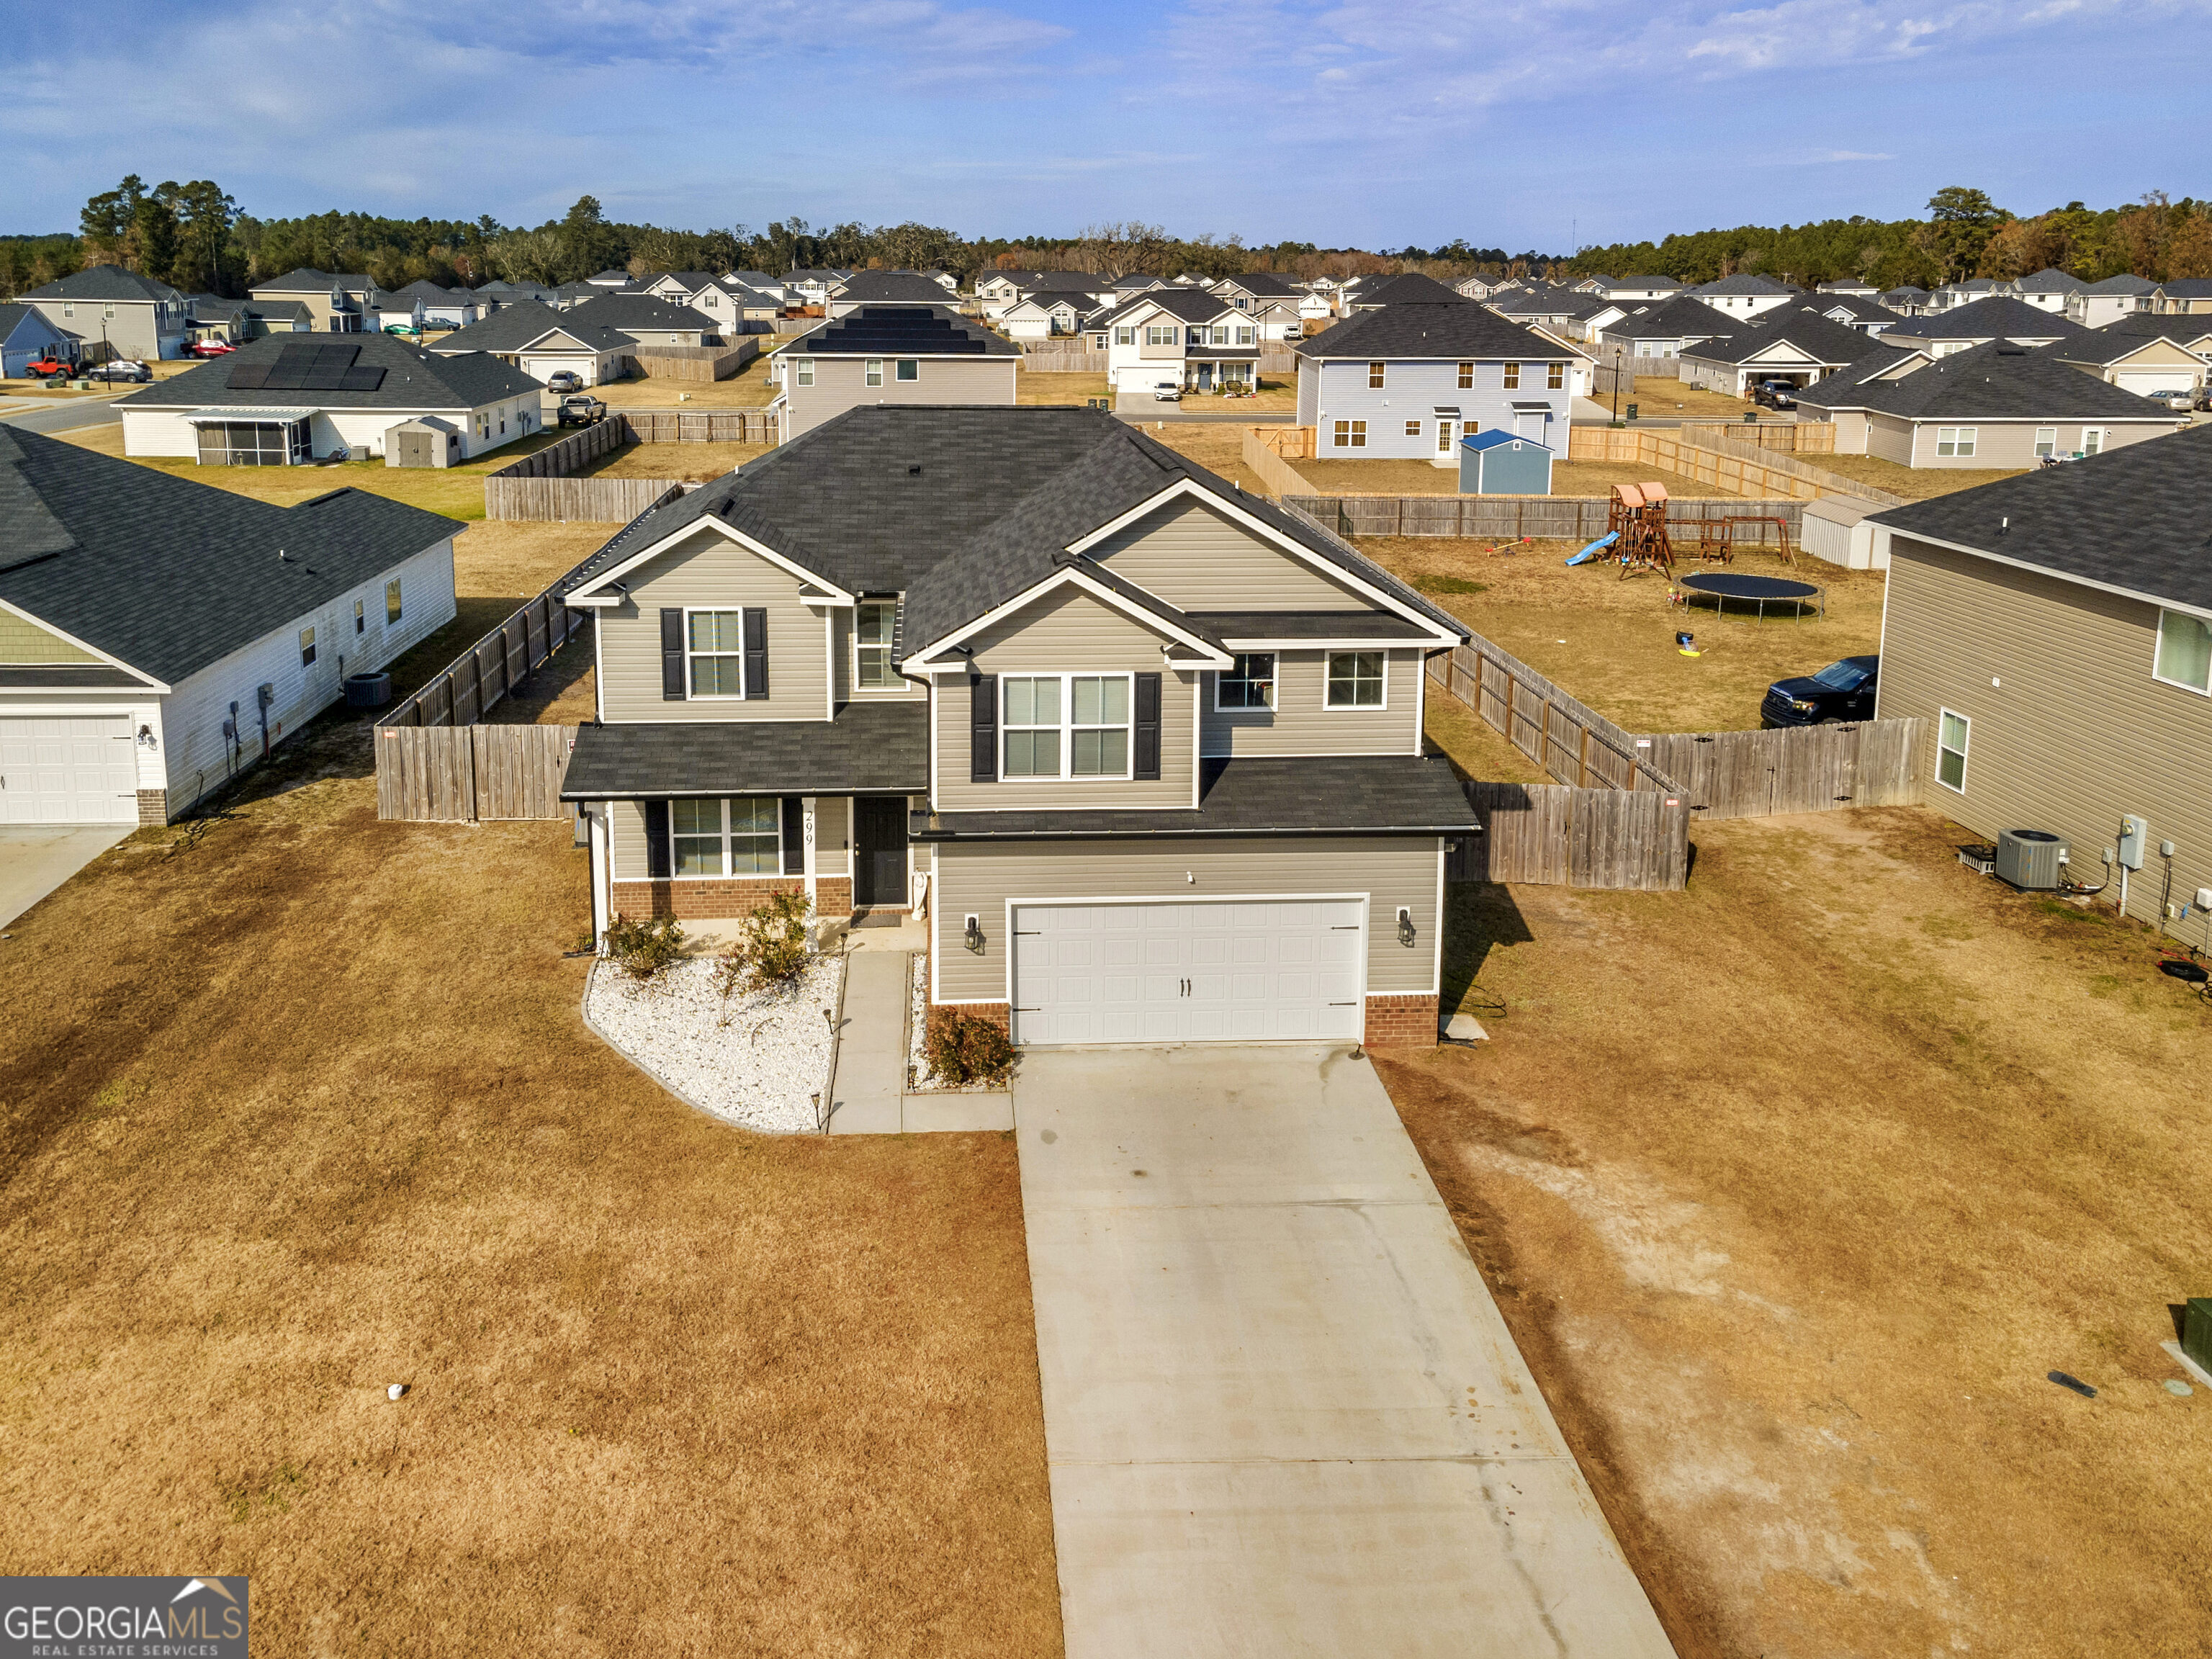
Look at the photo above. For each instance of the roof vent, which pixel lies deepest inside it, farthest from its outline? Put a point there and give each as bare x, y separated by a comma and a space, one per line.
914, 469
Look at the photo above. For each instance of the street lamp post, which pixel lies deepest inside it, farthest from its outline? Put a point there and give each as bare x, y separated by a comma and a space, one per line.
1618, 354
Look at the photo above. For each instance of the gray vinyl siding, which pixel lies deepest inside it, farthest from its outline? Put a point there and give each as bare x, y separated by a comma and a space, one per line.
1068, 632
979, 878
2012, 443
1889, 437
1411, 389
841, 383
2075, 733
1197, 559
1301, 724
1309, 390
708, 571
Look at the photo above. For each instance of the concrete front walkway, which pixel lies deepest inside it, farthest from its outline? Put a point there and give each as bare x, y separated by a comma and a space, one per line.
1282, 1415
869, 1096
35, 859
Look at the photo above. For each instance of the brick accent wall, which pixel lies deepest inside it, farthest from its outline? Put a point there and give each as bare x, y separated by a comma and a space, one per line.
701, 900
1402, 1022
833, 897
997, 1012
153, 806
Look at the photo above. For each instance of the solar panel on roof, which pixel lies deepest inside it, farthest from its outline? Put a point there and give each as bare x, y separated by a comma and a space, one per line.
361, 379
248, 377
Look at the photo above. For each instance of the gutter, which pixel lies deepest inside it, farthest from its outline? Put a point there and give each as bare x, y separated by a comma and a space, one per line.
942, 835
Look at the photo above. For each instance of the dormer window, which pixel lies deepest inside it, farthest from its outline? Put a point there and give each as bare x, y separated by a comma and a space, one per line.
873, 626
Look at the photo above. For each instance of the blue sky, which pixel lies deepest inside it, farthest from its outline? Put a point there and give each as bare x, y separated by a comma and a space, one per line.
1367, 123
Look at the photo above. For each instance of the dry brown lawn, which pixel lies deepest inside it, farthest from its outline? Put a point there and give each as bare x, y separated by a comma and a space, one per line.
1664, 398
749, 388
697, 462
1216, 445
1033, 385
300, 1104
1611, 642
1793, 1187
1913, 484
1407, 478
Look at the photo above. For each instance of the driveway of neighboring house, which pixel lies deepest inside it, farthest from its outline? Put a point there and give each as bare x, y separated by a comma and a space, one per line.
1282, 1415
35, 859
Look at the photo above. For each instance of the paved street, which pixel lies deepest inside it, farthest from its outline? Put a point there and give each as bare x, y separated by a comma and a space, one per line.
34, 414
1282, 1415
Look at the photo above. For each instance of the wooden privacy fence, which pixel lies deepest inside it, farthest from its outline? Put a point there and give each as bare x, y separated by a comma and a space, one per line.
1790, 437
469, 686
614, 500
699, 426
1062, 358
556, 460
695, 362
1806, 768
1568, 518
1560, 835
1571, 741
1741, 470
460, 774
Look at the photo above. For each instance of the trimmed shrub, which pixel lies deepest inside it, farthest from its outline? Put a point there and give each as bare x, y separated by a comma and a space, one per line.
964, 1047
643, 949
769, 953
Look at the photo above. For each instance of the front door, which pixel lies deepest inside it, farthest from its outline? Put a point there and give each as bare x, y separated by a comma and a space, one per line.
879, 850
1206, 377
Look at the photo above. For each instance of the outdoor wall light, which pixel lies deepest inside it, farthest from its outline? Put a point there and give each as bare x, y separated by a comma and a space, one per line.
1405, 927
146, 737
973, 938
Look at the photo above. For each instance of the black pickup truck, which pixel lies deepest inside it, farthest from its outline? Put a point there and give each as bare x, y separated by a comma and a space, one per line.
1842, 691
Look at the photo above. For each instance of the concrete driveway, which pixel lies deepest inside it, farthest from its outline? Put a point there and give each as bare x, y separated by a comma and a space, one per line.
1282, 1415
35, 859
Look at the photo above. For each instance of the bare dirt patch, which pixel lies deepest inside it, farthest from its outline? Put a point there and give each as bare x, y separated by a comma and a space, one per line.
749, 388
1913, 484
1611, 642
1663, 397
1793, 1187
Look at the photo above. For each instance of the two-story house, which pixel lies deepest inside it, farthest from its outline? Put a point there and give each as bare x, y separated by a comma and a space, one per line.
1745, 296
337, 302
2111, 300
1147, 750
1407, 382
135, 316
890, 355
2047, 289
887, 288
1182, 337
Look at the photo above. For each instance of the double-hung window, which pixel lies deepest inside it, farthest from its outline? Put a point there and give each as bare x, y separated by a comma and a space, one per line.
1124, 335
1247, 334
1065, 726
805, 367
1467, 377
872, 643
1512, 377
909, 368
1375, 376
875, 371
1555, 377
1355, 679
361, 616
716, 642
2093, 439
2046, 441
1951, 734
307, 647
1957, 441
740, 837
1351, 434
1160, 334
391, 606
1249, 683
2185, 651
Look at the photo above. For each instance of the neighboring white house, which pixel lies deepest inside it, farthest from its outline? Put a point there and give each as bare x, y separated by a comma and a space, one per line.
163, 634
425, 304
1041, 315
1643, 289
2048, 290
1744, 296
286, 400
1999, 317
542, 343
2110, 300
1182, 337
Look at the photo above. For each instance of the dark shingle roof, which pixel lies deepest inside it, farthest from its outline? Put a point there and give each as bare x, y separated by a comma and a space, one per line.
516, 324
870, 748
897, 331
13, 314
1187, 305
896, 286
307, 280
1411, 289
632, 312
1985, 382
413, 378
105, 282
1459, 329
2109, 344
2187, 288
1858, 306
1322, 795
1681, 318
429, 292
1743, 284
1826, 340
1266, 285
2132, 518
2048, 281
962, 507
169, 574
2122, 285
2000, 317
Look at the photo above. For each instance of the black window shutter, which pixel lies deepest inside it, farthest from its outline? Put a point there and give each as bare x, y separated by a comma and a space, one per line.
1148, 727
794, 836
756, 653
672, 688
983, 729
656, 834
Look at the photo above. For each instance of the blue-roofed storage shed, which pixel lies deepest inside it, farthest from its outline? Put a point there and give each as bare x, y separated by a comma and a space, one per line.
1496, 463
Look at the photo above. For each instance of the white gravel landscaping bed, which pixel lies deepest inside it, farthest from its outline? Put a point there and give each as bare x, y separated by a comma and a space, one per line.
753, 1061
920, 1080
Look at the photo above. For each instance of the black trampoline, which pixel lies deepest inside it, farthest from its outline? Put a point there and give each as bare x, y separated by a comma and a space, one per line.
1722, 585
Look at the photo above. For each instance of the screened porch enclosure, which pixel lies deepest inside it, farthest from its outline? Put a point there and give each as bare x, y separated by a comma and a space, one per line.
269, 440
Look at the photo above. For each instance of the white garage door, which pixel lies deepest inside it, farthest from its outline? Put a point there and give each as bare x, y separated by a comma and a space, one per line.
1259, 971
70, 769
2148, 380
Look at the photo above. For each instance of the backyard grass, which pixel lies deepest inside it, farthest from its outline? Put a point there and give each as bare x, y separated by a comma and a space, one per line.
1033, 385
1913, 484
1793, 1187
295, 1104
1611, 642
1664, 398
1406, 477
1216, 445
689, 461
749, 388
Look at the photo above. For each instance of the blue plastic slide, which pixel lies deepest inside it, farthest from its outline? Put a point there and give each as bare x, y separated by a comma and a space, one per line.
1596, 548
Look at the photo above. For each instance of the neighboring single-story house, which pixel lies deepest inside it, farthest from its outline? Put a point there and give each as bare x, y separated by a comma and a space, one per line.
492, 295
1998, 317
289, 399
337, 302
2048, 290
1561, 310
542, 343
1952, 296
1799, 345
1665, 328
26, 337
214, 318
1041, 314
132, 316
890, 355
649, 321
1644, 289
1991, 405
1408, 381
2144, 353
425, 304
1745, 296
2054, 632
158, 635
2110, 300
886, 288
1854, 311
569, 295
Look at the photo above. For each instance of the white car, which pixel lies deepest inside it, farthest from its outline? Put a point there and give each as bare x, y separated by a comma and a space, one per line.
1167, 392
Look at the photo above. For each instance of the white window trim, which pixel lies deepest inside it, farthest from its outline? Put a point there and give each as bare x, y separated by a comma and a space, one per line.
806, 368
2159, 633
890, 661
723, 802
1274, 684
1964, 754
1972, 439
2046, 441
1067, 729
737, 610
2103, 433
1355, 707
872, 372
